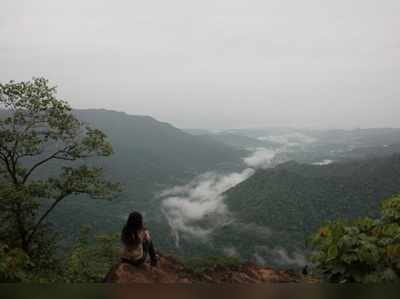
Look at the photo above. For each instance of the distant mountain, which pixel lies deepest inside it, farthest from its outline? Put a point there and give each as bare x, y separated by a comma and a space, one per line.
373, 151
285, 204
310, 146
197, 131
241, 141
143, 143
353, 138
359, 137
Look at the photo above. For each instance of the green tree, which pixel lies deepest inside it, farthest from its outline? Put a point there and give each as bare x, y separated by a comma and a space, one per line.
37, 131
363, 250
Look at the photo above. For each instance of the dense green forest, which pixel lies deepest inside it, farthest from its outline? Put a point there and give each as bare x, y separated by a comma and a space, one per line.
292, 200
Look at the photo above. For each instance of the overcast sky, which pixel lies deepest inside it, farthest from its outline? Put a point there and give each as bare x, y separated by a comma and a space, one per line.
214, 63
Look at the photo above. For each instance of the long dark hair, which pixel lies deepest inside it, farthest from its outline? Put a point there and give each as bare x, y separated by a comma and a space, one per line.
130, 232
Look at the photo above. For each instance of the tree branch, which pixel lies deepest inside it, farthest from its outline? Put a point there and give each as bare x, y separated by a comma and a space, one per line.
44, 216
26, 176
10, 171
53, 156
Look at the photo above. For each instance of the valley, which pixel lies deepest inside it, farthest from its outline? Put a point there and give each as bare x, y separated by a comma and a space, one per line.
254, 194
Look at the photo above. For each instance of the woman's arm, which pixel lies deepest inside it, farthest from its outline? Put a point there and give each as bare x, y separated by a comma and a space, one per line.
146, 236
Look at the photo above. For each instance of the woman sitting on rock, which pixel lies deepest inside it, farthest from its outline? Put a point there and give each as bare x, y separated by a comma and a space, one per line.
137, 242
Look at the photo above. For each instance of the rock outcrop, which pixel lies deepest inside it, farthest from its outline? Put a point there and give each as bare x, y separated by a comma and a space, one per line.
170, 270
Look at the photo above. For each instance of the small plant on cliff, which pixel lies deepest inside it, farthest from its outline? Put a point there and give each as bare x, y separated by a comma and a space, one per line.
364, 250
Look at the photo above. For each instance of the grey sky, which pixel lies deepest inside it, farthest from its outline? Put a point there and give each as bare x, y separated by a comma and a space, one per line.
214, 63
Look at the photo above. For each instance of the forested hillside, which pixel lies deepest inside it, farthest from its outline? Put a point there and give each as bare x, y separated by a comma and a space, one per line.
292, 200
148, 156
146, 146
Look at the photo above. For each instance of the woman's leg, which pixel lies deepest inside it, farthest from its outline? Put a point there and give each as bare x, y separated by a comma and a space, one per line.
148, 249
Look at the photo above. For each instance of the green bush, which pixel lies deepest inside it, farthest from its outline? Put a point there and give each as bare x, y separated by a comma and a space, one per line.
364, 250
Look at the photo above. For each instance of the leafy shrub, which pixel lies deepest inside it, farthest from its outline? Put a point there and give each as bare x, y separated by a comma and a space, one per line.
364, 250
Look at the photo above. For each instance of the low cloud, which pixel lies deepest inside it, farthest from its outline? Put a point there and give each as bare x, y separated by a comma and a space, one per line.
231, 252
261, 158
324, 162
197, 208
284, 258
280, 256
290, 139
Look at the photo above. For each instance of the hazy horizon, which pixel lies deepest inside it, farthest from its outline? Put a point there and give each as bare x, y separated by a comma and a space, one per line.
218, 129
214, 64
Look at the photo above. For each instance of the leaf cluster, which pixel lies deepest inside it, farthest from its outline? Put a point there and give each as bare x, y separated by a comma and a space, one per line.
363, 250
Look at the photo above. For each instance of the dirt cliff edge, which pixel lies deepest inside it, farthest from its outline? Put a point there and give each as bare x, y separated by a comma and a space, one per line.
170, 270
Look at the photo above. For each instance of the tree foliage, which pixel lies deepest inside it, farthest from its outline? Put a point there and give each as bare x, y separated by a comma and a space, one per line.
13, 264
363, 250
90, 261
43, 153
